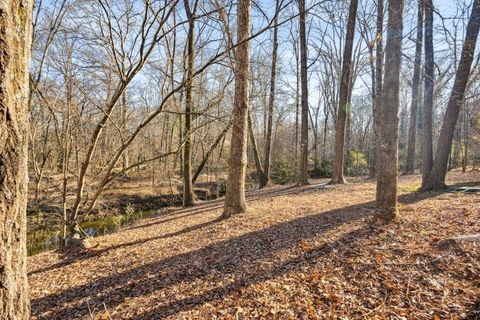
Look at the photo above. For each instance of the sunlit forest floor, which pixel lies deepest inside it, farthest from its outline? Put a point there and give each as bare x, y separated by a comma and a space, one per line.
299, 253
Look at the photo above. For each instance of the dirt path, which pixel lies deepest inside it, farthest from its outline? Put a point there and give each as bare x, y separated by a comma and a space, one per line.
299, 253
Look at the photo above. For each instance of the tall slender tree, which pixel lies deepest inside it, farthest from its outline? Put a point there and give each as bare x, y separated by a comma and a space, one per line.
345, 87
412, 131
303, 174
188, 196
427, 136
15, 42
378, 83
434, 179
235, 193
265, 180
388, 129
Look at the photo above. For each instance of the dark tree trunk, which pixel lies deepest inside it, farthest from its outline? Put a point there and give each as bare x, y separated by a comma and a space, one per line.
412, 131
303, 176
427, 144
343, 107
435, 179
388, 129
188, 196
235, 193
15, 42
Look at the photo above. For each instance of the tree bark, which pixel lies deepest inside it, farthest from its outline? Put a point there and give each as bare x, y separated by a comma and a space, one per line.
412, 131
378, 84
303, 175
235, 193
388, 130
343, 107
15, 43
256, 156
265, 179
188, 196
427, 143
435, 179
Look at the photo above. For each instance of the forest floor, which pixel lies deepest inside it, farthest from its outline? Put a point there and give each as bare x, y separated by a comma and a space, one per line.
298, 253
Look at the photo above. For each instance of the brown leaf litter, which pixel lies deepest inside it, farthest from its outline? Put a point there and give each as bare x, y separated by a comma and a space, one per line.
299, 253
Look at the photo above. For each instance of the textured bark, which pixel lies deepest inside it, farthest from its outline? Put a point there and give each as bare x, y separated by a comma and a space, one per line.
378, 84
388, 130
265, 179
412, 131
343, 107
427, 143
15, 40
188, 196
303, 175
435, 179
235, 193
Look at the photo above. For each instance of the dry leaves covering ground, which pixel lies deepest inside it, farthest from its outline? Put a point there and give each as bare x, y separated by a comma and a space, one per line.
299, 253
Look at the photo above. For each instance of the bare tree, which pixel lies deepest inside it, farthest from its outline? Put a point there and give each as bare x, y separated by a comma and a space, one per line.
235, 194
434, 179
388, 129
15, 41
303, 175
427, 134
410, 162
345, 87
188, 195
265, 179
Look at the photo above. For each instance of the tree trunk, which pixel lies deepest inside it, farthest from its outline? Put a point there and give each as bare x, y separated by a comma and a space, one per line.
188, 197
388, 130
303, 176
412, 131
435, 179
15, 42
235, 193
378, 84
265, 179
256, 156
427, 145
343, 107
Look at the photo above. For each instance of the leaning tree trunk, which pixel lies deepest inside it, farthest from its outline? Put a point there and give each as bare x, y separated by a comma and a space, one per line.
265, 178
15, 40
412, 132
388, 130
427, 143
188, 197
235, 193
303, 176
435, 179
343, 107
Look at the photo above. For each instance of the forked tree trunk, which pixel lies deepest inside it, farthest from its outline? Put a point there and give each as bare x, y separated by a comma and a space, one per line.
303, 174
265, 178
427, 143
343, 107
235, 193
188, 197
435, 179
388, 130
412, 131
15, 42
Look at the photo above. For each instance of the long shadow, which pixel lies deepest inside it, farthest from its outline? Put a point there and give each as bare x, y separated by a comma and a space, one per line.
233, 258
